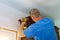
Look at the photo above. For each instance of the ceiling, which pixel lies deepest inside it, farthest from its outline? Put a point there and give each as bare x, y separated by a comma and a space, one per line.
48, 8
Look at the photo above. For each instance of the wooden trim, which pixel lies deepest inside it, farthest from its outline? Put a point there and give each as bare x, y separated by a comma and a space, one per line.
10, 31
7, 29
16, 35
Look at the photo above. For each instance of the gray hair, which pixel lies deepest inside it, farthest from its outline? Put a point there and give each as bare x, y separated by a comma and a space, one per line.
35, 14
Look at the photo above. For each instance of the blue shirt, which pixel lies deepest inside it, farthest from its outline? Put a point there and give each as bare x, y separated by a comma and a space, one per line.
41, 30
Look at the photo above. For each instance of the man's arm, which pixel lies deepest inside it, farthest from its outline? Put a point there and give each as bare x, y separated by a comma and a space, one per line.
22, 35
21, 30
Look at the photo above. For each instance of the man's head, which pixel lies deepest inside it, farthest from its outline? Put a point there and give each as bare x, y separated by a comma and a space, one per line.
35, 15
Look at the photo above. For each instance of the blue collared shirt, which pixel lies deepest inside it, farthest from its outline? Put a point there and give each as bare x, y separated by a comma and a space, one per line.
42, 30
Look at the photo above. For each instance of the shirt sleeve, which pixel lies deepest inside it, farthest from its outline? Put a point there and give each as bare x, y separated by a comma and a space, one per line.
29, 32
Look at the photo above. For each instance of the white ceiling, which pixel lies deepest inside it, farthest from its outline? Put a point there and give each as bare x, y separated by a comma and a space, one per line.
15, 9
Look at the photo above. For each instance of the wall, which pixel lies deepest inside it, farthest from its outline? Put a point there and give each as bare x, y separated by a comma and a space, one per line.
7, 35
9, 17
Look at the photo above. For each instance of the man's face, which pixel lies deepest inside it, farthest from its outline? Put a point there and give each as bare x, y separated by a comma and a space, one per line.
33, 18
32, 14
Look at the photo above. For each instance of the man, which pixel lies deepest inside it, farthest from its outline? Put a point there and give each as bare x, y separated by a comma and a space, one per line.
42, 29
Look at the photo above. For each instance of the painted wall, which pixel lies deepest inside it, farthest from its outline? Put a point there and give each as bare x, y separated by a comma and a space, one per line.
9, 17
12, 10
7, 35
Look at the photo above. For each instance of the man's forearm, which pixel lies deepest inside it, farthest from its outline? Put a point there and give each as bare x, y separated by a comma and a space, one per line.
22, 33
